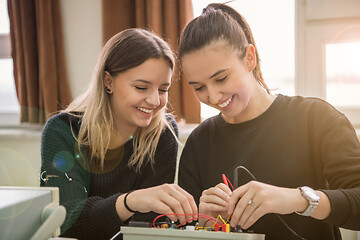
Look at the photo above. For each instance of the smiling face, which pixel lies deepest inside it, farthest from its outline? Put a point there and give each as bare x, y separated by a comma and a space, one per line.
224, 81
139, 93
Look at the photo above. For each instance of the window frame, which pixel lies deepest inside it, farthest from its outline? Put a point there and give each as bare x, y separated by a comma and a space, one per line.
316, 26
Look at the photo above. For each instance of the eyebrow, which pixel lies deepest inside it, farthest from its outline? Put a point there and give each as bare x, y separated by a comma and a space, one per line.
149, 82
217, 73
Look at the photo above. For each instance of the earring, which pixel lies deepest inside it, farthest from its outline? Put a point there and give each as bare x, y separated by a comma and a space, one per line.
108, 90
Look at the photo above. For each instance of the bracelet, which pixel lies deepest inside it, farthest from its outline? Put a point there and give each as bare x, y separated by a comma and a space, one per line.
125, 204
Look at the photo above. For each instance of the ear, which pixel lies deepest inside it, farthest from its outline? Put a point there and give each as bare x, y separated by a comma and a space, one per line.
250, 58
107, 80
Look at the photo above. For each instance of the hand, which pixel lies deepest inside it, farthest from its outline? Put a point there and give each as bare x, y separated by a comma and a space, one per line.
265, 199
214, 201
166, 198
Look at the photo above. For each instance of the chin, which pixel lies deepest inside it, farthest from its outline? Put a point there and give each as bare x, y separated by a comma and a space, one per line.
143, 124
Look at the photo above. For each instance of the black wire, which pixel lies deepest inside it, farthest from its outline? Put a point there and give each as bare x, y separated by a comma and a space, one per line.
280, 218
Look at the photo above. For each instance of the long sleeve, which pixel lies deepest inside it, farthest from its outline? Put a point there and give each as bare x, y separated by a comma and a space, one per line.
340, 156
90, 196
68, 170
296, 142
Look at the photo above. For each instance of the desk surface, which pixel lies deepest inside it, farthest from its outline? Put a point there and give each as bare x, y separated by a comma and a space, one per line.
137, 233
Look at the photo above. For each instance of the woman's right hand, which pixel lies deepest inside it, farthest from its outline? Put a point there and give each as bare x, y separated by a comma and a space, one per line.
214, 202
163, 199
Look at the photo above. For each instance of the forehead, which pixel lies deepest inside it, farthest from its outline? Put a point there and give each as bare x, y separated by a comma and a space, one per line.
206, 61
154, 70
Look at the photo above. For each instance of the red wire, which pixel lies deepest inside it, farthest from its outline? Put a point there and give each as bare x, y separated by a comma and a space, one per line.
227, 181
175, 214
224, 180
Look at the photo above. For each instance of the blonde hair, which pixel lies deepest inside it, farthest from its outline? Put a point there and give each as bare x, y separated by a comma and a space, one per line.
123, 51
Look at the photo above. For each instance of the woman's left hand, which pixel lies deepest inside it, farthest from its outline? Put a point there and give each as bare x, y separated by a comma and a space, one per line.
249, 202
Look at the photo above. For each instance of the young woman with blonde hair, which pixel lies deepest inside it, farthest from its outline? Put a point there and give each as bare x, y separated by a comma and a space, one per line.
112, 152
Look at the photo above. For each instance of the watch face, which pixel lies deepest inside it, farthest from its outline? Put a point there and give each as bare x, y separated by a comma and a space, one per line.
311, 193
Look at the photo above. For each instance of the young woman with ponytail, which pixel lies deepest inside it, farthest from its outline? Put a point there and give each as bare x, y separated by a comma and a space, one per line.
297, 159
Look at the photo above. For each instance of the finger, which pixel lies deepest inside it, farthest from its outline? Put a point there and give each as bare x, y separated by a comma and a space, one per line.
208, 207
254, 217
163, 208
216, 191
214, 199
235, 196
224, 188
239, 209
175, 206
248, 211
183, 200
191, 201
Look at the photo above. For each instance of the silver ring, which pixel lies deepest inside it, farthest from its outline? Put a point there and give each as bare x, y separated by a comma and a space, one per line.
252, 203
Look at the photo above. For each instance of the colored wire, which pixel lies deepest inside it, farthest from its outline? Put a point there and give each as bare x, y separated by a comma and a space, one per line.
227, 181
280, 218
197, 216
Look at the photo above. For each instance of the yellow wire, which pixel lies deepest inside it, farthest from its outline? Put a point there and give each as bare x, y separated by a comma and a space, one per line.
222, 219
228, 218
215, 221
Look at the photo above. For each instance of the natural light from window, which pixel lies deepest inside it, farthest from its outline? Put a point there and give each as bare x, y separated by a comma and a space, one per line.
8, 99
4, 19
273, 28
343, 74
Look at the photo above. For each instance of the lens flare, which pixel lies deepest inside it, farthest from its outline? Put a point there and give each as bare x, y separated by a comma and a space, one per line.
63, 161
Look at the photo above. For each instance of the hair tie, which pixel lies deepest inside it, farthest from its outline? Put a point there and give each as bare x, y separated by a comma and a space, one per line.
125, 204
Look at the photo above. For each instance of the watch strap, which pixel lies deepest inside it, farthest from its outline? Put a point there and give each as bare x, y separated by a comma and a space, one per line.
313, 203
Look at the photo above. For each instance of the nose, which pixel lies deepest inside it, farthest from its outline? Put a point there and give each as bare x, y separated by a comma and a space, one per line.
153, 99
214, 96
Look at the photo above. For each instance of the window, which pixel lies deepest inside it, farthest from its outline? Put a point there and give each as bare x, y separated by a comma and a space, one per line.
328, 48
343, 74
9, 106
272, 24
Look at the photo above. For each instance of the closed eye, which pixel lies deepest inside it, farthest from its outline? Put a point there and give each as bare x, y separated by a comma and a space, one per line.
221, 79
198, 88
141, 88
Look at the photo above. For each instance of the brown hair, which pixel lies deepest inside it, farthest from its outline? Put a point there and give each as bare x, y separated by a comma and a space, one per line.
123, 51
219, 22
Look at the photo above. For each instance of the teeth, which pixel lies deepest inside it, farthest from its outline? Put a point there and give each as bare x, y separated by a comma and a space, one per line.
145, 110
222, 105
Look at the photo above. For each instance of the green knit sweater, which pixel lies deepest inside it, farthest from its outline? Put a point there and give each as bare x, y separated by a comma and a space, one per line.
89, 193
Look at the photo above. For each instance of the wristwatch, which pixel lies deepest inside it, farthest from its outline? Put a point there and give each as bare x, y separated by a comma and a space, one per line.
313, 198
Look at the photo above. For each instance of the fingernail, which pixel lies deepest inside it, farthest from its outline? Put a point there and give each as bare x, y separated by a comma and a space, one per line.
227, 197
230, 193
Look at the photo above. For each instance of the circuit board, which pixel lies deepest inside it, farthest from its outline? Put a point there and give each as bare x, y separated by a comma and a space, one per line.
140, 233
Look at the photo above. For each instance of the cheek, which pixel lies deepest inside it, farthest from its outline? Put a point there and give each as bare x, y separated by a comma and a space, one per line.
202, 96
163, 100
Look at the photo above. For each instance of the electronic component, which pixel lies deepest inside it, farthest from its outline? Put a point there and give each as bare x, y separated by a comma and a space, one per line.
139, 224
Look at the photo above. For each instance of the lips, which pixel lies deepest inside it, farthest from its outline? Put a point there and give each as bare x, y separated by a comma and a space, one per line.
226, 103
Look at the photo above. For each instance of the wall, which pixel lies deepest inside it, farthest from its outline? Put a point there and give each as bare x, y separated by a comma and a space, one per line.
82, 24
20, 145
20, 156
